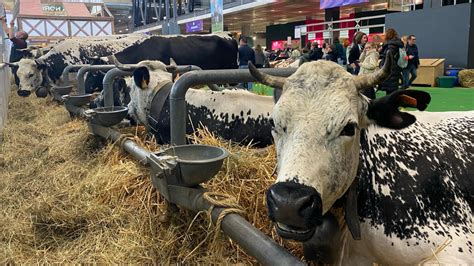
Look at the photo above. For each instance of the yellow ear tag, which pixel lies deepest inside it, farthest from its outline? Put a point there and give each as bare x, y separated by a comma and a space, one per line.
144, 84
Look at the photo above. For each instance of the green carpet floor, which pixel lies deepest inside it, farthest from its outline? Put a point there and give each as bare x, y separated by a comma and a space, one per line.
442, 99
447, 99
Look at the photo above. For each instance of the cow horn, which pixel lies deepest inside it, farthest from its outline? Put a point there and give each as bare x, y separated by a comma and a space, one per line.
269, 80
370, 80
12, 64
120, 65
172, 62
172, 66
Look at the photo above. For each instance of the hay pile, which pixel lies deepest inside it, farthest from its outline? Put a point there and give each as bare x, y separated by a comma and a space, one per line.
466, 78
69, 197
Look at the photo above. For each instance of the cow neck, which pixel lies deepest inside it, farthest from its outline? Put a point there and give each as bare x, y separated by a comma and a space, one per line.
155, 104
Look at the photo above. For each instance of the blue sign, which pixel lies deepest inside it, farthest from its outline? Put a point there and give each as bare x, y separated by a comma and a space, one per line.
335, 3
194, 26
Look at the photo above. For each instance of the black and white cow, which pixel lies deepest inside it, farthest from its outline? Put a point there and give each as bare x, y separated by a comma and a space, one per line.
212, 51
236, 115
47, 69
414, 172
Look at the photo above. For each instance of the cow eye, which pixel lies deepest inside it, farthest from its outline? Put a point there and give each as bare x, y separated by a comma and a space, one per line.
349, 130
30, 75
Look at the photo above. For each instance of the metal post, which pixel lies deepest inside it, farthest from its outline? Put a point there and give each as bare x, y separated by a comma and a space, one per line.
67, 70
175, 11
179, 89
108, 82
160, 10
156, 11
82, 72
167, 10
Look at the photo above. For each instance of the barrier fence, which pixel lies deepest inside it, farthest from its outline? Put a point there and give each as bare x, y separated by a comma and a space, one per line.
4, 80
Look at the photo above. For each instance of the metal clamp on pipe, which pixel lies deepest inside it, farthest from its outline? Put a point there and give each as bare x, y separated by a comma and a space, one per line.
82, 72
67, 70
178, 92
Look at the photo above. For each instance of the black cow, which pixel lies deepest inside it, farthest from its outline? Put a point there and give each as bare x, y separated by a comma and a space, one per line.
214, 51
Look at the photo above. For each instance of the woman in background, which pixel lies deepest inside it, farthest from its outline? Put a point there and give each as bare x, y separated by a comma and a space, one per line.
392, 43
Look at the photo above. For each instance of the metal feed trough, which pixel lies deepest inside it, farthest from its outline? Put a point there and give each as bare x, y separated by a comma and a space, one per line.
178, 171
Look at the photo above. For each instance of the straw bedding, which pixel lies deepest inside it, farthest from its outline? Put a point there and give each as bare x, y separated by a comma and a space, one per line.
466, 78
69, 197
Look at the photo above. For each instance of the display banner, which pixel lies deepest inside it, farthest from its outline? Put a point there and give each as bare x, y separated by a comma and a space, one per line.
217, 15
297, 32
194, 26
53, 9
335, 3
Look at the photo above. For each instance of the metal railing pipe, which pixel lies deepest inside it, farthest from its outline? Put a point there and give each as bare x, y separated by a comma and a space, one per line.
108, 83
67, 70
181, 86
82, 72
128, 145
253, 241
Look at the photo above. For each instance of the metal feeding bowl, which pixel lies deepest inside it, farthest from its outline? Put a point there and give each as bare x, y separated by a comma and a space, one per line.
59, 91
107, 116
197, 163
77, 100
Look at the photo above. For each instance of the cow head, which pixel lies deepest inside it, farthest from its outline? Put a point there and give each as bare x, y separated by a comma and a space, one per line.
30, 74
317, 123
148, 77
150, 74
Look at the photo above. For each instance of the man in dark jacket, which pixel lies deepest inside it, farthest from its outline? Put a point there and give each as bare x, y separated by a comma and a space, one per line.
246, 54
19, 42
413, 62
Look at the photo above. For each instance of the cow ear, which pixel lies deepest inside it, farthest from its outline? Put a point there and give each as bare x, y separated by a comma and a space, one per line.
384, 111
141, 77
40, 64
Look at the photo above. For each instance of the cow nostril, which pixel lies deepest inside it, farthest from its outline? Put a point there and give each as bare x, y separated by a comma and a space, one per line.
307, 203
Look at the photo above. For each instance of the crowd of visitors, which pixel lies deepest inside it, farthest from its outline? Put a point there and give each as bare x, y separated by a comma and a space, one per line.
359, 57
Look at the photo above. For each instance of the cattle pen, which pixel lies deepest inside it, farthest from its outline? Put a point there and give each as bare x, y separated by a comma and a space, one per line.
250, 239
170, 181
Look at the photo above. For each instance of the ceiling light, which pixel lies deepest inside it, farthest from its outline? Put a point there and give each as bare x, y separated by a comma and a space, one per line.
300, 11
273, 10
129, 16
254, 38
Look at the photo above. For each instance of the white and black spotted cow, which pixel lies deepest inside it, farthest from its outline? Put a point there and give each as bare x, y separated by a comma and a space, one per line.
414, 172
46, 70
236, 115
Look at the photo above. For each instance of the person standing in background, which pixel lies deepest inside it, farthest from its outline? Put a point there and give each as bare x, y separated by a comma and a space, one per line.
358, 43
246, 54
410, 72
19, 42
331, 54
340, 54
259, 56
369, 62
392, 43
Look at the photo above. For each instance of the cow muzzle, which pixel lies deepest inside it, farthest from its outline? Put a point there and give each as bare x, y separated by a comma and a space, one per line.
23, 93
295, 209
